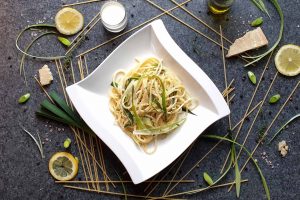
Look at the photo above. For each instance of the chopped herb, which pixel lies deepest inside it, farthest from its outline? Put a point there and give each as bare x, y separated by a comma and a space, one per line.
188, 110
114, 84
274, 98
24, 98
257, 22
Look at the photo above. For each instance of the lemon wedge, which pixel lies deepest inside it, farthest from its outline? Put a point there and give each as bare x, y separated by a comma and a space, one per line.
63, 166
69, 21
287, 60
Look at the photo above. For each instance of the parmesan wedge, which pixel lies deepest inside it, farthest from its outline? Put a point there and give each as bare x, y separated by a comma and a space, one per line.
45, 75
251, 40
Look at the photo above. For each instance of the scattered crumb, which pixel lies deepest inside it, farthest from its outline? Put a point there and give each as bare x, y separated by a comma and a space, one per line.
45, 75
283, 148
264, 156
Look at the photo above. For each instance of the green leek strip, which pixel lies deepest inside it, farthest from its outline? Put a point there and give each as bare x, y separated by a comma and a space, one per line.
260, 4
259, 57
58, 112
137, 119
264, 182
129, 115
237, 171
38, 143
45, 113
282, 127
208, 179
28, 47
36, 26
163, 96
62, 104
161, 129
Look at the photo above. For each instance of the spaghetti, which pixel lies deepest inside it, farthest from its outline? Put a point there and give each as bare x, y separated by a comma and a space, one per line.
148, 101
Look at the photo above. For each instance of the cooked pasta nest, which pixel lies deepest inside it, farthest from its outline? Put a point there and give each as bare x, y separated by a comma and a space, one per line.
149, 101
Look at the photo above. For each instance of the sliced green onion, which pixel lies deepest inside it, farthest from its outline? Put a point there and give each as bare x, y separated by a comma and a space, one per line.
24, 98
208, 179
257, 22
64, 41
252, 77
67, 143
274, 98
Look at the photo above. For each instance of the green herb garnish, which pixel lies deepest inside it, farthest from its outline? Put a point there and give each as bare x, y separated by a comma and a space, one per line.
264, 182
129, 115
237, 171
67, 143
64, 41
208, 179
283, 126
61, 112
39, 26
252, 77
261, 56
136, 117
274, 98
114, 84
188, 110
257, 22
260, 4
24, 98
37, 142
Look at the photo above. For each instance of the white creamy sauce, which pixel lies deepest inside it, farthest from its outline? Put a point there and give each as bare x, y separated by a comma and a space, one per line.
113, 14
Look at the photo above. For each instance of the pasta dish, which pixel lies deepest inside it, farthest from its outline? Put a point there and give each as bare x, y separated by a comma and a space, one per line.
149, 101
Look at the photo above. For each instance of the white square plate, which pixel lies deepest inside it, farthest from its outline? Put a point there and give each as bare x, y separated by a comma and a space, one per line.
90, 98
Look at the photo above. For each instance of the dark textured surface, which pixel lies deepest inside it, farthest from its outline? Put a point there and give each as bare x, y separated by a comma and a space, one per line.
24, 175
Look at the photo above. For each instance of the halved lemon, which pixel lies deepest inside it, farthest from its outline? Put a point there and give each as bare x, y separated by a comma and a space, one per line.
63, 166
69, 21
287, 60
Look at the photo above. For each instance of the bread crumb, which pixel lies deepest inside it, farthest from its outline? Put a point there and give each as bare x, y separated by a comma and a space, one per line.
283, 148
45, 75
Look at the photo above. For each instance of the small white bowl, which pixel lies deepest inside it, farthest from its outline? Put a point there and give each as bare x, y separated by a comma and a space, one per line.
90, 98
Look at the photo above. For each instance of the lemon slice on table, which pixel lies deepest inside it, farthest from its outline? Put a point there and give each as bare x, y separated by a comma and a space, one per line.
69, 21
287, 60
63, 166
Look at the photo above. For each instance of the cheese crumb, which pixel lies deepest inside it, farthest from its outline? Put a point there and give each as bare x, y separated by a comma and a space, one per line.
45, 75
283, 148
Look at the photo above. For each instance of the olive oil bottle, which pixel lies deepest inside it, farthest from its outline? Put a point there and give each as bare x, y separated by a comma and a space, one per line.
219, 6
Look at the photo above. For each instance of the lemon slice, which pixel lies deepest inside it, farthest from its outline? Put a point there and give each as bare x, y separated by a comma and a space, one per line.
287, 60
63, 166
69, 21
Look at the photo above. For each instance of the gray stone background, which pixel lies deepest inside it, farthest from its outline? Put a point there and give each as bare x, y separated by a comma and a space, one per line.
24, 175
